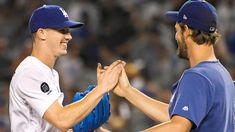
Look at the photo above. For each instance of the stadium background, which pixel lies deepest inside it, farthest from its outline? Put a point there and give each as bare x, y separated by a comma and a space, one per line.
131, 30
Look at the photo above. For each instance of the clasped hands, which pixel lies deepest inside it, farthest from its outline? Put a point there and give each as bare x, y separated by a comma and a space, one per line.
114, 78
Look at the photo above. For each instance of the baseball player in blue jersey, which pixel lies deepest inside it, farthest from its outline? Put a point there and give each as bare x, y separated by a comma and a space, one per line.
203, 98
35, 98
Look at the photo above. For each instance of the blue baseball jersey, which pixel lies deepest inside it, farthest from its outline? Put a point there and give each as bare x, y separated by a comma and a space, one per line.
205, 95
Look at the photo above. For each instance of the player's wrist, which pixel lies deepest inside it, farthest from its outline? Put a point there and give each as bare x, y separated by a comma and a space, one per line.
101, 89
127, 91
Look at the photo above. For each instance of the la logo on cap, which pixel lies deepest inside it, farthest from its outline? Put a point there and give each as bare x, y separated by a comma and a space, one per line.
64, 12
212, 29
185, 17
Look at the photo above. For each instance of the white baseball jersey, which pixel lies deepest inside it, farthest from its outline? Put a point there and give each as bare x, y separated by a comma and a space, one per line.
34, 88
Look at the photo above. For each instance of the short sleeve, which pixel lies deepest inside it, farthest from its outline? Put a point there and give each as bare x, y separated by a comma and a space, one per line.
193, 98
38, 92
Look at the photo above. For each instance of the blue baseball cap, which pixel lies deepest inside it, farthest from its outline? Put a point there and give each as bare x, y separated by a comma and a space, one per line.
51, 16
197, 14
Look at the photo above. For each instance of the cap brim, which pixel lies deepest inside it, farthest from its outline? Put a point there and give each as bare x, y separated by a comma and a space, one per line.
172, 15
74, 24
70, 24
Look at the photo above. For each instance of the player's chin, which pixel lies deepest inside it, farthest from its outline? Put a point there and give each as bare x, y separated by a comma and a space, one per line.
63, 52
63, 49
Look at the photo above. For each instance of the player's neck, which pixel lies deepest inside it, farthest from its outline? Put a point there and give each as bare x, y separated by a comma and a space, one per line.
44, 57
201, 53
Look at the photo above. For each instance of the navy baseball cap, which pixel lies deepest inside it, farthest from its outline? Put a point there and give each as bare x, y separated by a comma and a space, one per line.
51, 16
198, 14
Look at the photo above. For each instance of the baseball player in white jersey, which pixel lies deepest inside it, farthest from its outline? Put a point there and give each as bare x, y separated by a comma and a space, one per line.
35, 98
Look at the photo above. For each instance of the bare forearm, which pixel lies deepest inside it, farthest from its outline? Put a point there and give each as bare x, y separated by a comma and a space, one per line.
156, 110
77, 111
176, 124
167, 127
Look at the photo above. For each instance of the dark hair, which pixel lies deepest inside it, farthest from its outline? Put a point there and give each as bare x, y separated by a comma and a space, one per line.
201, 37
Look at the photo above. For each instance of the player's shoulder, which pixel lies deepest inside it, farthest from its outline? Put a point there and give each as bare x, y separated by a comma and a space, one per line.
196, 71
205, 68
199, 74
29, 67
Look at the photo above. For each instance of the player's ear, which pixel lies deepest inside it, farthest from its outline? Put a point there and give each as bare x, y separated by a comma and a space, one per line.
41, 33
188, 31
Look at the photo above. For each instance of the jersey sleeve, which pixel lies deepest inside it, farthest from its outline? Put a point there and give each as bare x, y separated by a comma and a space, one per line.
193, 98
38, 92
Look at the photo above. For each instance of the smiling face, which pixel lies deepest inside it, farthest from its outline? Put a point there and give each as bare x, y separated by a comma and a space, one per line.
57, 40
182, 46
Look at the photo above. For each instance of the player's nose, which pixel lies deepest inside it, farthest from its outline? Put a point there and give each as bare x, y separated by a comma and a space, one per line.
68, 36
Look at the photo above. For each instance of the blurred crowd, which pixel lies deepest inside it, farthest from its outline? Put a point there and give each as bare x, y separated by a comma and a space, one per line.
135, 31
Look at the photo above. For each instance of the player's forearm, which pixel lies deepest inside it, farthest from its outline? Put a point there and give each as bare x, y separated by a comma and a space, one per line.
168, 126
156, 110
77, 111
